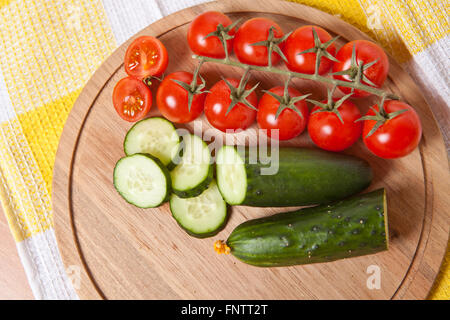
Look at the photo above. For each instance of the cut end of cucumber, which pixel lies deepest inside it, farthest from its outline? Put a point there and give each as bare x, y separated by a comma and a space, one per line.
231, 175
155, 136
193, 174
142, 180
201, 216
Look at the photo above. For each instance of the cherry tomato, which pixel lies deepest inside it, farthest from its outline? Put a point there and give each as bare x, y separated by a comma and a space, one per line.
366, 52
396, 137
146, 56
328, 132
203, 25
289, 123
216, 105
172, 99
132, 99
302, 39
252, 31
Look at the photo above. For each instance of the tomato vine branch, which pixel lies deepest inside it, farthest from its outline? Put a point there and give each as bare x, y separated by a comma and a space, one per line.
315, 77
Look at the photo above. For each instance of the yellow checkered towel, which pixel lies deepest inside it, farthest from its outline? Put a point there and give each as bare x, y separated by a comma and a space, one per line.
49, 49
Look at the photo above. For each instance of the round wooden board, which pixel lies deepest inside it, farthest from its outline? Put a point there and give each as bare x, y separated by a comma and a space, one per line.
128, 253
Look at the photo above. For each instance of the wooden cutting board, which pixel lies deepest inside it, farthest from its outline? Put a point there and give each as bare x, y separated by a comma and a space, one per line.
123, 252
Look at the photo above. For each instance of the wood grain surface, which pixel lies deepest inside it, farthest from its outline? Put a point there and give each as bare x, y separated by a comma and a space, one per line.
130, 253
13, 280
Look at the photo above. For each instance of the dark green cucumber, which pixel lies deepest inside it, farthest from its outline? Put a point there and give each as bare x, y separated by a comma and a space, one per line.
304, 177
348, 228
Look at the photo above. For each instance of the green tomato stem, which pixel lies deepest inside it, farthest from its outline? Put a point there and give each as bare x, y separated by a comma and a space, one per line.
316, 77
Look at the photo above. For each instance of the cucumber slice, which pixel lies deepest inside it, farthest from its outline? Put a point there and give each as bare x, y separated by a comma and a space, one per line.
202, 216
231, 175
194, 172
155, 136
142, 180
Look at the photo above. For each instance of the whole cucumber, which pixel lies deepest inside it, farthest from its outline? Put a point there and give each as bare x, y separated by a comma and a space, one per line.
304, 177
348, 228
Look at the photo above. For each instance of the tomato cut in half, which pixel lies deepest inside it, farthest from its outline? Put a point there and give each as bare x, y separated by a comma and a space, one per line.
132, 99
146, 56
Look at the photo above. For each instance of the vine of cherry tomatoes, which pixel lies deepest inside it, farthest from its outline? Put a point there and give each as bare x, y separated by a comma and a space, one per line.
390, 131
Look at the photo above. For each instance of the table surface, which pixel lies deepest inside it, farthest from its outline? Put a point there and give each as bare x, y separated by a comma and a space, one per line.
13, 281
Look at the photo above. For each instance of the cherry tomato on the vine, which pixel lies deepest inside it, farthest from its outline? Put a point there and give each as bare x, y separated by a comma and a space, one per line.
252, 31
328, 132
366, 52
397, 136
218, 101
289, 123
201, 27
146, 56
303, 39
172, 98
132, 99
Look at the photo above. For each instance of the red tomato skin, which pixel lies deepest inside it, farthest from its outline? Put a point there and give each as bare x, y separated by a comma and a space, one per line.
203, 25
172, 99
289, 123
329, 133
154, 70
216, 105
252, 31
366, 51
302, 39
123, 89
397, 137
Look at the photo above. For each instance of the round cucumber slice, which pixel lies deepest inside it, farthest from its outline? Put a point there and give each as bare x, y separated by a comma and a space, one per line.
194, 172
142, 180
202, 216
155, 136
231, 175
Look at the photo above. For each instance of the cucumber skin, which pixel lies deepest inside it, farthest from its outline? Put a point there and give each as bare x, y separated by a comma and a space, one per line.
163, 169
306, 177
197, 190
316, 234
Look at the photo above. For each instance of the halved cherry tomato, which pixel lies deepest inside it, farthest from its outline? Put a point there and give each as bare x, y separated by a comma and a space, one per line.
217, 103
146, 56
172, 99
289, 122
132, 99
396, 137
202, 26
303, 39
328, 132
252, 31
366, 52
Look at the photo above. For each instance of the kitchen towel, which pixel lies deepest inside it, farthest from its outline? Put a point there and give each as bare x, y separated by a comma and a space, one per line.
49, 49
